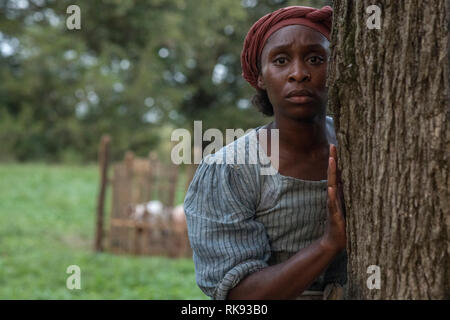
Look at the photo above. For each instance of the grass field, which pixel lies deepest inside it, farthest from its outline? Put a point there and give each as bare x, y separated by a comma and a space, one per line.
47, 223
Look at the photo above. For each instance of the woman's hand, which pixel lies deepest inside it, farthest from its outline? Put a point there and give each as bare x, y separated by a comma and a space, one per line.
334, 237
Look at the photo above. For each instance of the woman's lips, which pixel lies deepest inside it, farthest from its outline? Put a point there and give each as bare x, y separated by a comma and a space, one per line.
300, 99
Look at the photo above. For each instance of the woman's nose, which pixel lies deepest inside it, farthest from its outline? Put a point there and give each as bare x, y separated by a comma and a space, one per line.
299, 72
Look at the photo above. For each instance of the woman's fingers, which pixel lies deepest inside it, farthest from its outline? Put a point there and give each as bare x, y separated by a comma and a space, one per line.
333, 153
334, 191
332, 180
335, 231
332, 204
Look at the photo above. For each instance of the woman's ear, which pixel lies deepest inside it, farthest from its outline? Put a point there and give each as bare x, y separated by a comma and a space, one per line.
261, 83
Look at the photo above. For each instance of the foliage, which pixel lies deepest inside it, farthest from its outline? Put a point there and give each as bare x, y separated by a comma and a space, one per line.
135, 70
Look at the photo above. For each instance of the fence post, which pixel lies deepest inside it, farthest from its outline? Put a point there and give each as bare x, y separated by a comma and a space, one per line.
103, 156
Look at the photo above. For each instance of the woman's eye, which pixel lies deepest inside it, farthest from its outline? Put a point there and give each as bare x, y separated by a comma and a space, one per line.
315, 60
280, 60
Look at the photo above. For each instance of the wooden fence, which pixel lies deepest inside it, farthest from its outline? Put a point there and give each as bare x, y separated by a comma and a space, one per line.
144, 219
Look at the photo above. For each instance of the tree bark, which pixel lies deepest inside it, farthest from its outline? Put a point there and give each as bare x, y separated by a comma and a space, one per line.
388, 91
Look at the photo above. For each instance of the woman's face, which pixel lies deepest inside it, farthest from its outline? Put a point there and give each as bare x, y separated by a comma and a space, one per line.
293, 72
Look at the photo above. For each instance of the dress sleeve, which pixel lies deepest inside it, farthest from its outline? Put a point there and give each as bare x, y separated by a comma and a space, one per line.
227, 242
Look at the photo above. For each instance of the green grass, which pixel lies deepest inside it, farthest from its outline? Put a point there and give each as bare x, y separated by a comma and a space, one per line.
47, 218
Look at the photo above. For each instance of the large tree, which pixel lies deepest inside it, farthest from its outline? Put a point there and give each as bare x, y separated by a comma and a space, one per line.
389, 93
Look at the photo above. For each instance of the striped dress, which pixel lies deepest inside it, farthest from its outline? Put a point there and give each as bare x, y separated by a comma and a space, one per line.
240, 221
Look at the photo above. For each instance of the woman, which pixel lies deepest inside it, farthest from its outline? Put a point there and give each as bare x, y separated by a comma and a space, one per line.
279, 236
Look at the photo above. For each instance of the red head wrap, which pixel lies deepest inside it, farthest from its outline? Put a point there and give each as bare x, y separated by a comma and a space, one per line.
317, 19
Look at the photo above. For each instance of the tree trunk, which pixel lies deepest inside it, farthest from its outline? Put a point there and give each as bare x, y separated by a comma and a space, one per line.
388, 90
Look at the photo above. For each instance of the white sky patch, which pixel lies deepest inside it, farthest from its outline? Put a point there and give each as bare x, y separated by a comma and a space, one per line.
163, 53
179, 77
243, 103
8, 46
229, 30
18, 4
125, 64
152, 116
38, 16
249, 3
39, 3
35, 17
81, 109
118, 87
219, 73
88, 60
52, 18
174, 115
149, 102
70, 54
92, 97
6, 49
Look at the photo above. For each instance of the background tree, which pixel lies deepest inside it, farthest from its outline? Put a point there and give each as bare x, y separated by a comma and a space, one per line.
389, 93
136, 70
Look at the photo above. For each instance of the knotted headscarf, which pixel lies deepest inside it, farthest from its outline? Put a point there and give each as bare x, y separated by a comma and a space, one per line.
317, 19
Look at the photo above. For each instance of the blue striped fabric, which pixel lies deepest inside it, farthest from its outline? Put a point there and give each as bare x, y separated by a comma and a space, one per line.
240, 221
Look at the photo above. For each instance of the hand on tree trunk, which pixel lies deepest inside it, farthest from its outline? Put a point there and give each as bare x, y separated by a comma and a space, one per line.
334, 237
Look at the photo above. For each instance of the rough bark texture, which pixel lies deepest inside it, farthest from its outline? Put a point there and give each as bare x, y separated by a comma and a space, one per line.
389, 94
